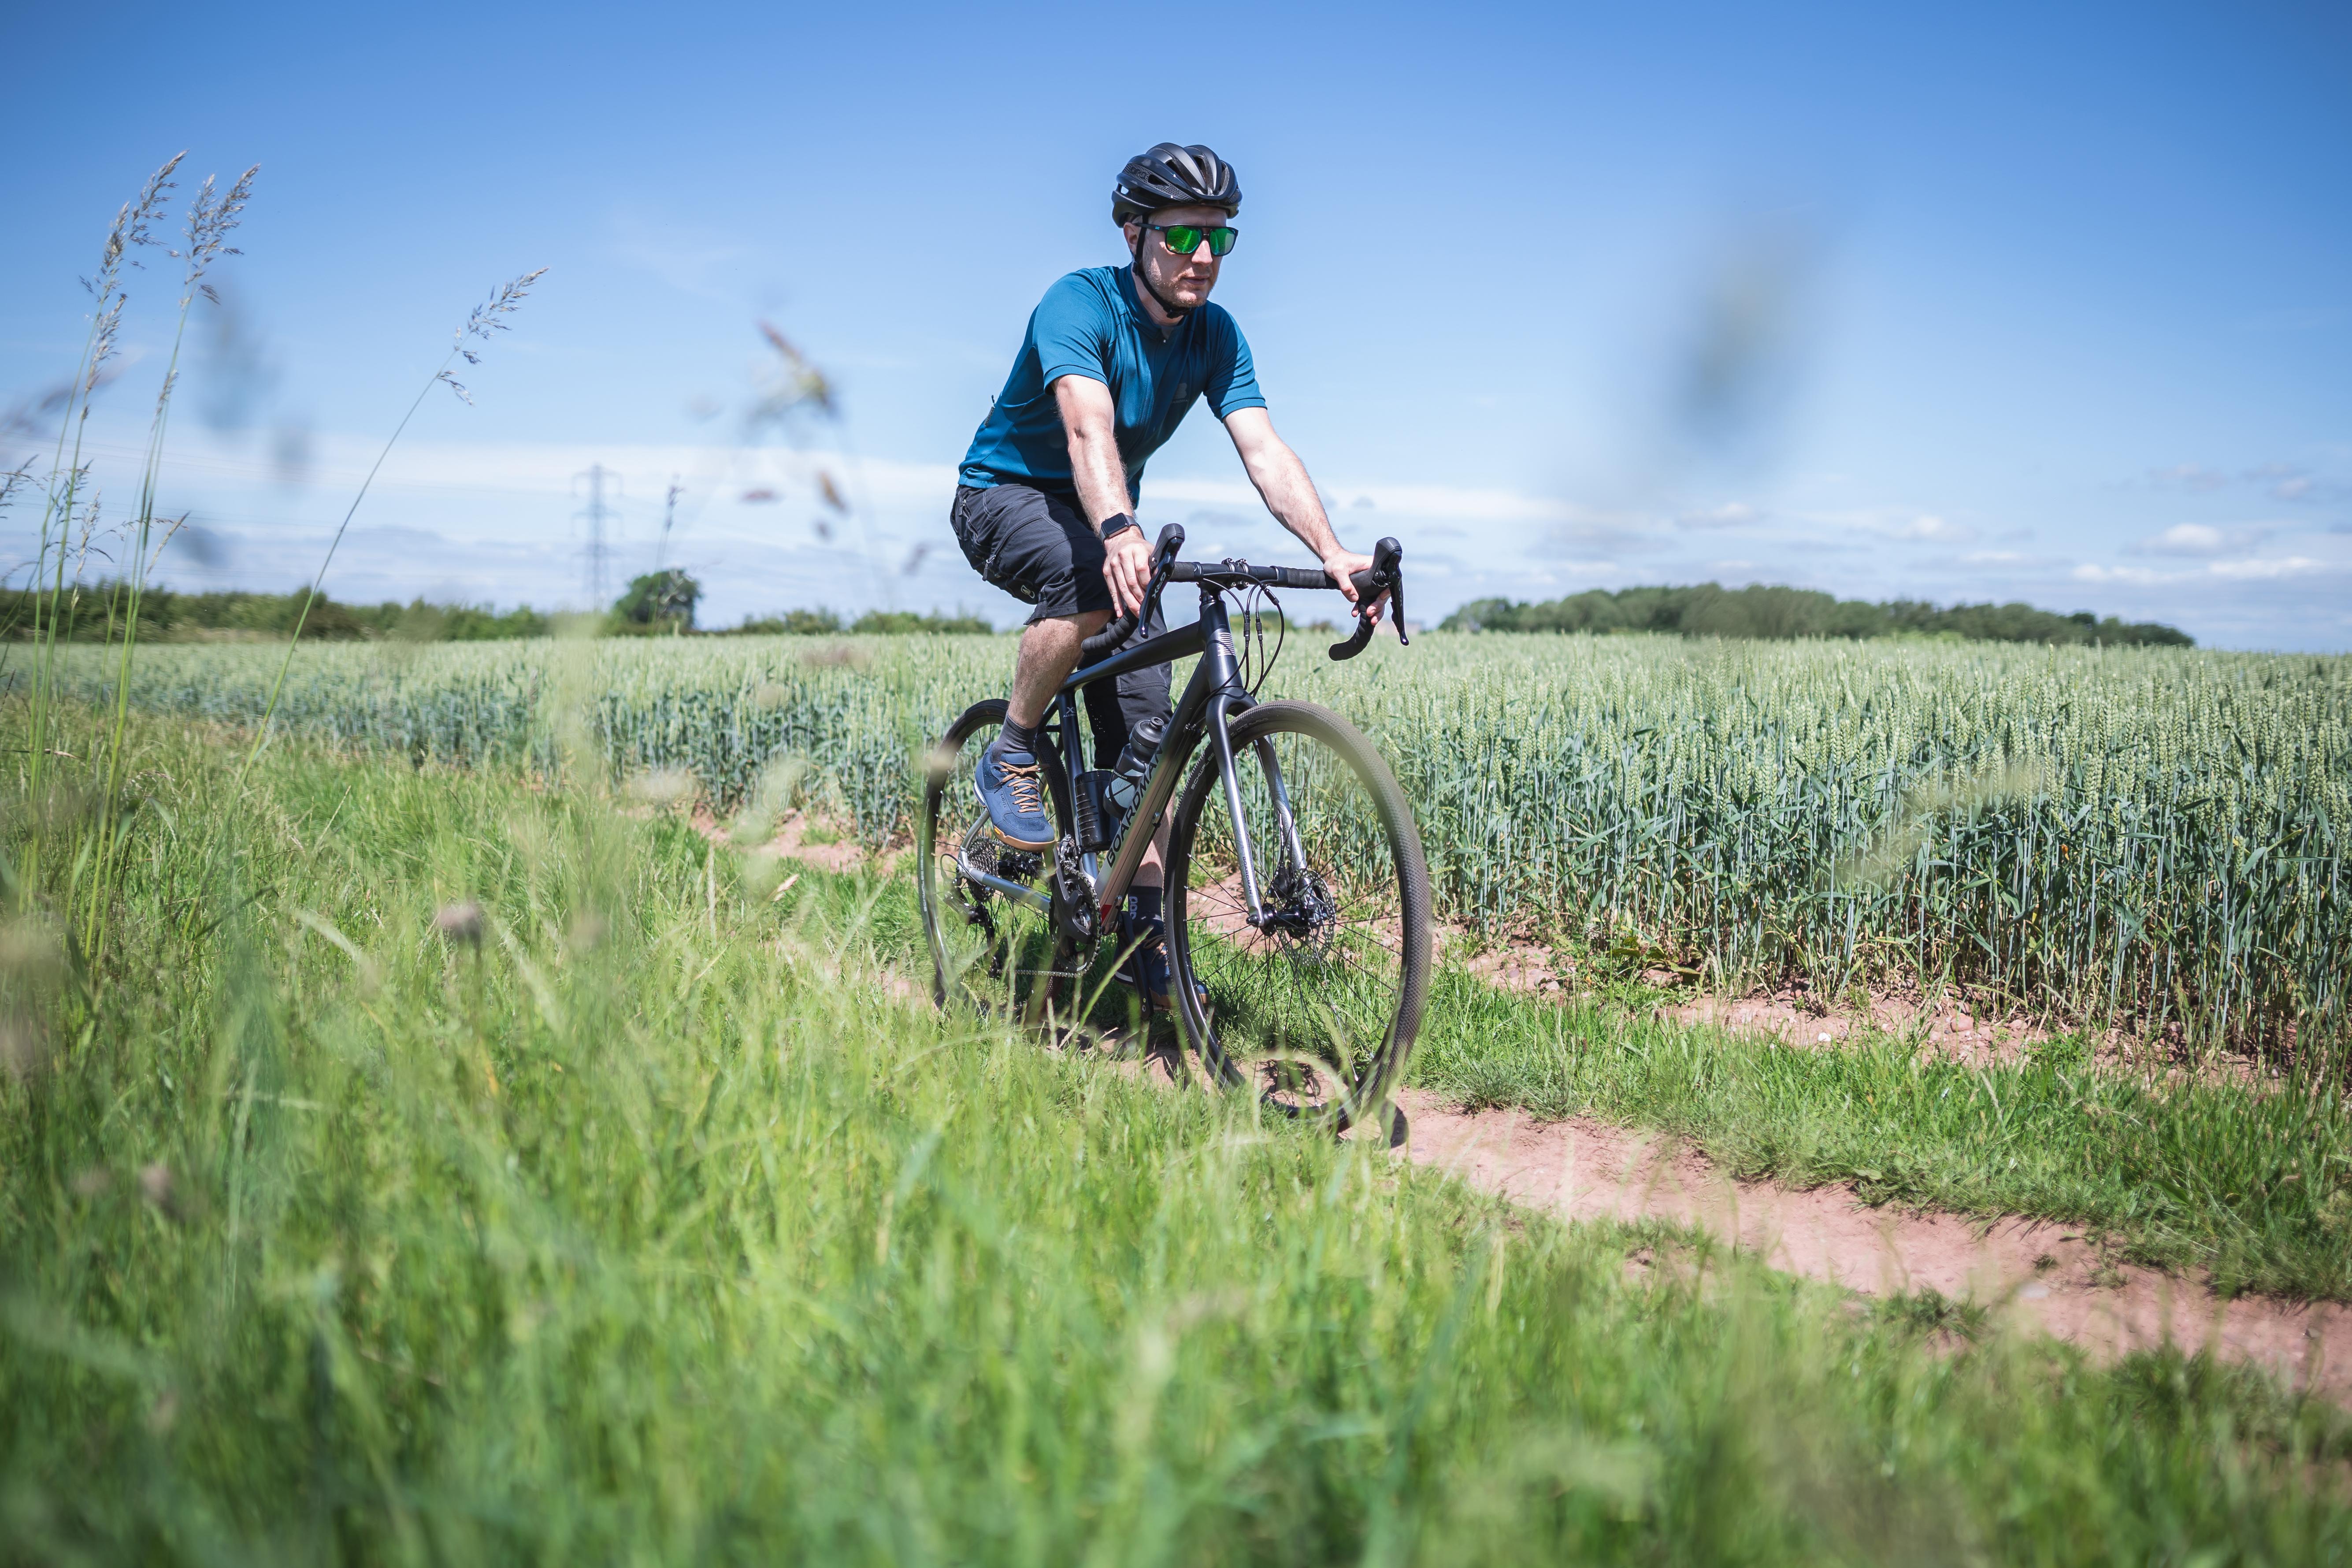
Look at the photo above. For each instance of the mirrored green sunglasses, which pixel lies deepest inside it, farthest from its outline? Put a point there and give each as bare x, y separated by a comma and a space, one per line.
1183, 238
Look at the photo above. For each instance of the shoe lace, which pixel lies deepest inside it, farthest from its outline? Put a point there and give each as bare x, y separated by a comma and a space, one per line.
1020, 781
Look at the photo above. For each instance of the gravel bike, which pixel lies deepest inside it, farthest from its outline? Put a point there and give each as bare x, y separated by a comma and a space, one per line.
1298, 897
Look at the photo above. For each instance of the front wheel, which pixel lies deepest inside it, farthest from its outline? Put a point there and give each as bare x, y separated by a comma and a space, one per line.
1316, 1001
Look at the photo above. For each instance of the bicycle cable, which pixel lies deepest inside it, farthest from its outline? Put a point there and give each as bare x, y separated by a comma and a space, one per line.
1254, 650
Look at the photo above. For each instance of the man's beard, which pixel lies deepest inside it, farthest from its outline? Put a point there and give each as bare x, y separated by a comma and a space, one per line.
1162, 291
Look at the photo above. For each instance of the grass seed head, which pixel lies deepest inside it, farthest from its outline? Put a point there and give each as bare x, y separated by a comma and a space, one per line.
460, 924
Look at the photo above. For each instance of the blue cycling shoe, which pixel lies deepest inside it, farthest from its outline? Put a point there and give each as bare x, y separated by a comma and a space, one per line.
1013, 790
1145, 969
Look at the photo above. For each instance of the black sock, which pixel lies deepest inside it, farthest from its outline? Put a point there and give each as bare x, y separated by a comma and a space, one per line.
1145, 902
1017, 738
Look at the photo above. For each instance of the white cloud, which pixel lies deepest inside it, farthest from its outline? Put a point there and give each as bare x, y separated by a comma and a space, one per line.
2246, 568
2189, 476
1940, 530
2144, 576
2271, 567
1731, 515
2204, 538
2187, 538
1603, 542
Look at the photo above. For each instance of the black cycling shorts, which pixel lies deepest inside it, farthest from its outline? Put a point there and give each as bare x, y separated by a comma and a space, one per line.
1039, 548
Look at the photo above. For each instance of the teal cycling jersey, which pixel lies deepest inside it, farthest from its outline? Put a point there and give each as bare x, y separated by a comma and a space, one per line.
1089, 324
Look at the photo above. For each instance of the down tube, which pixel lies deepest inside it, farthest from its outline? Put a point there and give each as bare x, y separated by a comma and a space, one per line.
1158, 791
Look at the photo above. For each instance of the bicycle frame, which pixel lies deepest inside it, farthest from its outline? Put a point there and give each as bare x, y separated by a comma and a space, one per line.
1214, 693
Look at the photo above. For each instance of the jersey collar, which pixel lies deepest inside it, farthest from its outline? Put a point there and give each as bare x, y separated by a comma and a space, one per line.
1130, 294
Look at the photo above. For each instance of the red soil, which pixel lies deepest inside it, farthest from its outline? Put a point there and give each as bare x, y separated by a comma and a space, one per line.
2038, 1275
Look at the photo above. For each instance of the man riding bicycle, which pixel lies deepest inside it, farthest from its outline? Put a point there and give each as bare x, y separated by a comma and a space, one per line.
1044, 509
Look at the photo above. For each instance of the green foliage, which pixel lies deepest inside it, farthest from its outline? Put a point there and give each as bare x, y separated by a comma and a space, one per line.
2249, 1187
901, 623
873, 622
791, 623
1709, 610
2151, 836
656, 601
625, 1215
2240, 1184
666, 599
93, 612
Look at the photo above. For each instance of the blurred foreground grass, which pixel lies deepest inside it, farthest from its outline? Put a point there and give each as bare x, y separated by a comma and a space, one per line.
451, 1169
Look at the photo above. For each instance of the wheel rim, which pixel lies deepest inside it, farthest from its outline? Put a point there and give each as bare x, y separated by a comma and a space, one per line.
1325, 980
982, 943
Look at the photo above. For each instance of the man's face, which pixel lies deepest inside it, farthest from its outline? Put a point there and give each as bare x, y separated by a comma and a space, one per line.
1186, 280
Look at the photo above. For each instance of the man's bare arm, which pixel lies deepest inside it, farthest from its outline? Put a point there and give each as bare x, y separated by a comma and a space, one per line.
1090, 423
1282, 483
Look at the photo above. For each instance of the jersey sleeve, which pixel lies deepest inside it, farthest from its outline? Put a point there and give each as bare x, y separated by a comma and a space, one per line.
1233, 379
1072, 332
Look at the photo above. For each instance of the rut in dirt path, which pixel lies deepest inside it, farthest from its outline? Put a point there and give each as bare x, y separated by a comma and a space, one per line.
2038, 1275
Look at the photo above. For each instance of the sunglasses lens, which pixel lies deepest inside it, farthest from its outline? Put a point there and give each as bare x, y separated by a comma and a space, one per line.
1220, 241
1182, 240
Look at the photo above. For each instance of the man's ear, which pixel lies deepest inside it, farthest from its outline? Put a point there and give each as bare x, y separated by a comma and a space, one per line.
1132, 229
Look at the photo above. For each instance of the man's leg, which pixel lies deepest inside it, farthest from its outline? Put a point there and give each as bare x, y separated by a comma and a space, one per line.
1036, 547
1114, 709
1142, 693
1049, 652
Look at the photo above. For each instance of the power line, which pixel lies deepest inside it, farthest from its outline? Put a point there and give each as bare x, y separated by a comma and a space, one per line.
596, 551
669, 515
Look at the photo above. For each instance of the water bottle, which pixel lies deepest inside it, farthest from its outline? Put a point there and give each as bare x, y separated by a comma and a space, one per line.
1134, 764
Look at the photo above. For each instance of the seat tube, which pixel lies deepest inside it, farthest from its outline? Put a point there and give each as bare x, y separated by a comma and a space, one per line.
1071, 762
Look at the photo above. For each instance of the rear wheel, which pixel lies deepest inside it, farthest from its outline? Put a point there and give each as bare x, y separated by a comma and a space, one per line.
1315, 1004
988, 949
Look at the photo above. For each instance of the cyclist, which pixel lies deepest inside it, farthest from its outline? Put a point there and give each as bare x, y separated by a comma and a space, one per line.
1044, 507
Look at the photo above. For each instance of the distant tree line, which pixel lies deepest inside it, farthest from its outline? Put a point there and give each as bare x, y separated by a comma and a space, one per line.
1710, 610
657, 603
665, 601
96, 611
822, 623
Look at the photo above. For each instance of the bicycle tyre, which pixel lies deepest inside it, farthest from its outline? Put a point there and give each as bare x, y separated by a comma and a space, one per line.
951, 809
1363, 859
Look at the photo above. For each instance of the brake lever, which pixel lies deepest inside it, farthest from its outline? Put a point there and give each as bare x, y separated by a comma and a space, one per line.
1354, 645
1386, 576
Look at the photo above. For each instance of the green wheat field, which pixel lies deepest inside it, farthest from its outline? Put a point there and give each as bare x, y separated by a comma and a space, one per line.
415, 1149
2154, 838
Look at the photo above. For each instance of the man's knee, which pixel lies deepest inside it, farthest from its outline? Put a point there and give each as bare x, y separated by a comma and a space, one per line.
1083, 624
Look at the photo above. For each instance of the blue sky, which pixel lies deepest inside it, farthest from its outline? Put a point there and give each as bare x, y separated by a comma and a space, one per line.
2009, 302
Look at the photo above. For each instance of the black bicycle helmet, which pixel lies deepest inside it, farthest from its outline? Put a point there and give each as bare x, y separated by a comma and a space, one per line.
1172, 176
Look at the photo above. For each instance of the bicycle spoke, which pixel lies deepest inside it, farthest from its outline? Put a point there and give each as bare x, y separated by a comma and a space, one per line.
1322, 977
987, 948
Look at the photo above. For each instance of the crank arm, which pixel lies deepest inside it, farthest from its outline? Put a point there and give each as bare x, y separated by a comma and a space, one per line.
1031, 896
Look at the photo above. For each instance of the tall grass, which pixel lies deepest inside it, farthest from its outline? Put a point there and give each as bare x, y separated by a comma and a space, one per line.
2150, 837
212, 216
62, 496
486, 320
92, 793
612, 1214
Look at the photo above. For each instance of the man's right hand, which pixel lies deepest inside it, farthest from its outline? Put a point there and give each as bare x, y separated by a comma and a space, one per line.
1127, 567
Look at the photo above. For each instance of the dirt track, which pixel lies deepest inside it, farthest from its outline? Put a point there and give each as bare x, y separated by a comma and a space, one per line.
2040, 1276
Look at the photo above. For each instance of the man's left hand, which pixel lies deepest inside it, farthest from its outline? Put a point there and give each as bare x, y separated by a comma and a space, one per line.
1342, 565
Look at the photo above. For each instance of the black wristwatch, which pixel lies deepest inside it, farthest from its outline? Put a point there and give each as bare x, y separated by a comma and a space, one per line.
1118, 524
